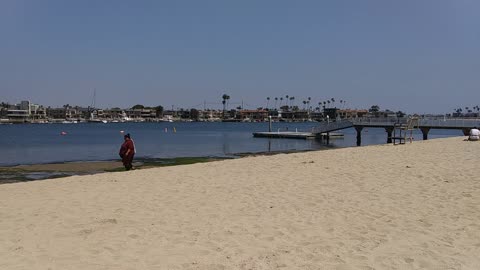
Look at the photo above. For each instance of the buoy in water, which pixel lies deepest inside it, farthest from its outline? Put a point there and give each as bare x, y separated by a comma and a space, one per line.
174, 129
166, 129
63, 133
121, 131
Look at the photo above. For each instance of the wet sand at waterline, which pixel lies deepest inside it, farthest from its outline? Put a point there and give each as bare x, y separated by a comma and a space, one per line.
21, 173
413, 206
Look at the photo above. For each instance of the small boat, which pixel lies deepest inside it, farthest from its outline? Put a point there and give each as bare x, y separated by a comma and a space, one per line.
94, 119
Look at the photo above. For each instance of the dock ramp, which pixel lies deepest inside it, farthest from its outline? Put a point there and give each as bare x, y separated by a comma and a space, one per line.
325, 127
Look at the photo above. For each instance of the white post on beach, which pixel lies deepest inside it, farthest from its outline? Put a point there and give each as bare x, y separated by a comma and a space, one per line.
269, 123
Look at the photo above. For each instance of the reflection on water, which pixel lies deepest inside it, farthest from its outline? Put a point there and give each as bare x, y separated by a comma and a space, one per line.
31, 144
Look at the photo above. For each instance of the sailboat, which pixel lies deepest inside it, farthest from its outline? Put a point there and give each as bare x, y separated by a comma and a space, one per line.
125, 118
93, 115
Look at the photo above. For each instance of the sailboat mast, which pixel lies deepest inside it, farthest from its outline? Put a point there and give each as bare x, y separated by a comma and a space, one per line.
94, 98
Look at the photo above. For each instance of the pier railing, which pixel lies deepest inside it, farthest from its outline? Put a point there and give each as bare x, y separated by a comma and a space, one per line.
449, 123
390, 122
433, 122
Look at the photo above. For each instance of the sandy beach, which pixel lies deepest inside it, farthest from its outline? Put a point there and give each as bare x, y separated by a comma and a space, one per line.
413, 206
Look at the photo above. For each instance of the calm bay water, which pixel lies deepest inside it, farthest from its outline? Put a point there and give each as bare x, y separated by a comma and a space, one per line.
43, 143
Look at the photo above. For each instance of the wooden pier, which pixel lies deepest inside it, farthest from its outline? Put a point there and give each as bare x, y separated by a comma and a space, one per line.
325, 130
389, 124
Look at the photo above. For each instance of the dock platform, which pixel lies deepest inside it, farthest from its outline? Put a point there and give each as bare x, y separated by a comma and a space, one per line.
295, 135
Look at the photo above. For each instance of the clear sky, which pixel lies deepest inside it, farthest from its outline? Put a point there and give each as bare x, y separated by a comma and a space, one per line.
414, 55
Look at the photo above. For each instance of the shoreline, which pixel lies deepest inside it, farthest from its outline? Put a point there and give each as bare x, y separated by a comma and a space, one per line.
34, 172
44, 171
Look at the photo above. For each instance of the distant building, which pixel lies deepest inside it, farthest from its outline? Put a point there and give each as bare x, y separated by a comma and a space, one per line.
57, 113
331, 113
141, 113
348, 113
254, 115
25, 112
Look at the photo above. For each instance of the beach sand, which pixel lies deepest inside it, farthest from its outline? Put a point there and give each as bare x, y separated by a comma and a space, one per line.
413, 206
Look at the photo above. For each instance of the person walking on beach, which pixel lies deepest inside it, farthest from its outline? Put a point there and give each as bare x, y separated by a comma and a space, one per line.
127, 151
474, 134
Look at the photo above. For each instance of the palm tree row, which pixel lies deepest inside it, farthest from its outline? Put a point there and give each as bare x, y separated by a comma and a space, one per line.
467, 109
290, 100
290, 103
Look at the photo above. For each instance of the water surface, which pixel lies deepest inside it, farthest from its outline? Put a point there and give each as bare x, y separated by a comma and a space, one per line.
43, 143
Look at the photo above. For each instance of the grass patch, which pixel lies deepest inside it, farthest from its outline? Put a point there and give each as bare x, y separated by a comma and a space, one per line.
12, 174
176, 161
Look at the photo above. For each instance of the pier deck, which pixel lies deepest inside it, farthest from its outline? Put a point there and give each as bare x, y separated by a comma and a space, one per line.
295, 135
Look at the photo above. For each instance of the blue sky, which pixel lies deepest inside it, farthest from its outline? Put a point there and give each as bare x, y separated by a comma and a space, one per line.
417, 56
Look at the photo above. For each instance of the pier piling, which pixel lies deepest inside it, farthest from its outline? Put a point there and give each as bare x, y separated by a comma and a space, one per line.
425, 131
389, 131
359, 135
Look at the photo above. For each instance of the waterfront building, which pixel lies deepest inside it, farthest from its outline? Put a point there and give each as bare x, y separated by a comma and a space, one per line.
253, 115
140, 114
349, 113
25, 112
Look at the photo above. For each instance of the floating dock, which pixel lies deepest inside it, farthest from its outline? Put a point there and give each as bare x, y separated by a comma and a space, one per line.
296, 135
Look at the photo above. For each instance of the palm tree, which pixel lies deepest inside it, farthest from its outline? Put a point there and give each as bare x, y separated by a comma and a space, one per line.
225, 97
268, 102
276, 99
333, 102
328, 101
304, 104
281, 100
224, 101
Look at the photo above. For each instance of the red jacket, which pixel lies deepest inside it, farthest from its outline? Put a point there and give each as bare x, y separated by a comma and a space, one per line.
128, 144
